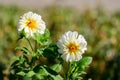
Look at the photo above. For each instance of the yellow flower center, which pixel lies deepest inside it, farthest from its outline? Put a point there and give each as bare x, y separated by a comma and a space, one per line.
31, 24
73, 48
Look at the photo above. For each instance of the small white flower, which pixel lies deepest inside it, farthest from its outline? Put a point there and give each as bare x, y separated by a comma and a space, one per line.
71, 46
31, 23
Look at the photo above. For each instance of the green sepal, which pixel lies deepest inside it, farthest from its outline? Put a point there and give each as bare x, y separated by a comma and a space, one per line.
21, 35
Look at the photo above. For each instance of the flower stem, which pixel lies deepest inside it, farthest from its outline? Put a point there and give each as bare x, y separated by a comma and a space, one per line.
35, 46
33, 62
67, 69
29, 43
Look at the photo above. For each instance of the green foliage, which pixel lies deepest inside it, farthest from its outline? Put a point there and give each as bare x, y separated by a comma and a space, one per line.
26, 66
43, 39
56, 67
84, 62
42, 72
51, 52
76, 69
24, 49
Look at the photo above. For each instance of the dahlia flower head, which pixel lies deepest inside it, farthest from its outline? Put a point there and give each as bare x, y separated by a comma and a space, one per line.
71, 45
31, 23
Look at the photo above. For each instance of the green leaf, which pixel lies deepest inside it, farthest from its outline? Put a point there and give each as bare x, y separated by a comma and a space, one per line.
82, 72
79, 78
43, 39
15, 63
50, 71
21, 73
51, 52
24, 49
40, 77
56, 67
40, 51
58, 77
41, 70
30, 74
84, 62
23, 59
15, 60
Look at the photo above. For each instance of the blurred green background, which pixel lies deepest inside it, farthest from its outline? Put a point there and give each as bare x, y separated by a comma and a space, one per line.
100, 28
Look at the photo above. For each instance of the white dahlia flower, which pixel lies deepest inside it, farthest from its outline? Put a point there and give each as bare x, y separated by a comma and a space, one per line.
71, 46
32, 23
